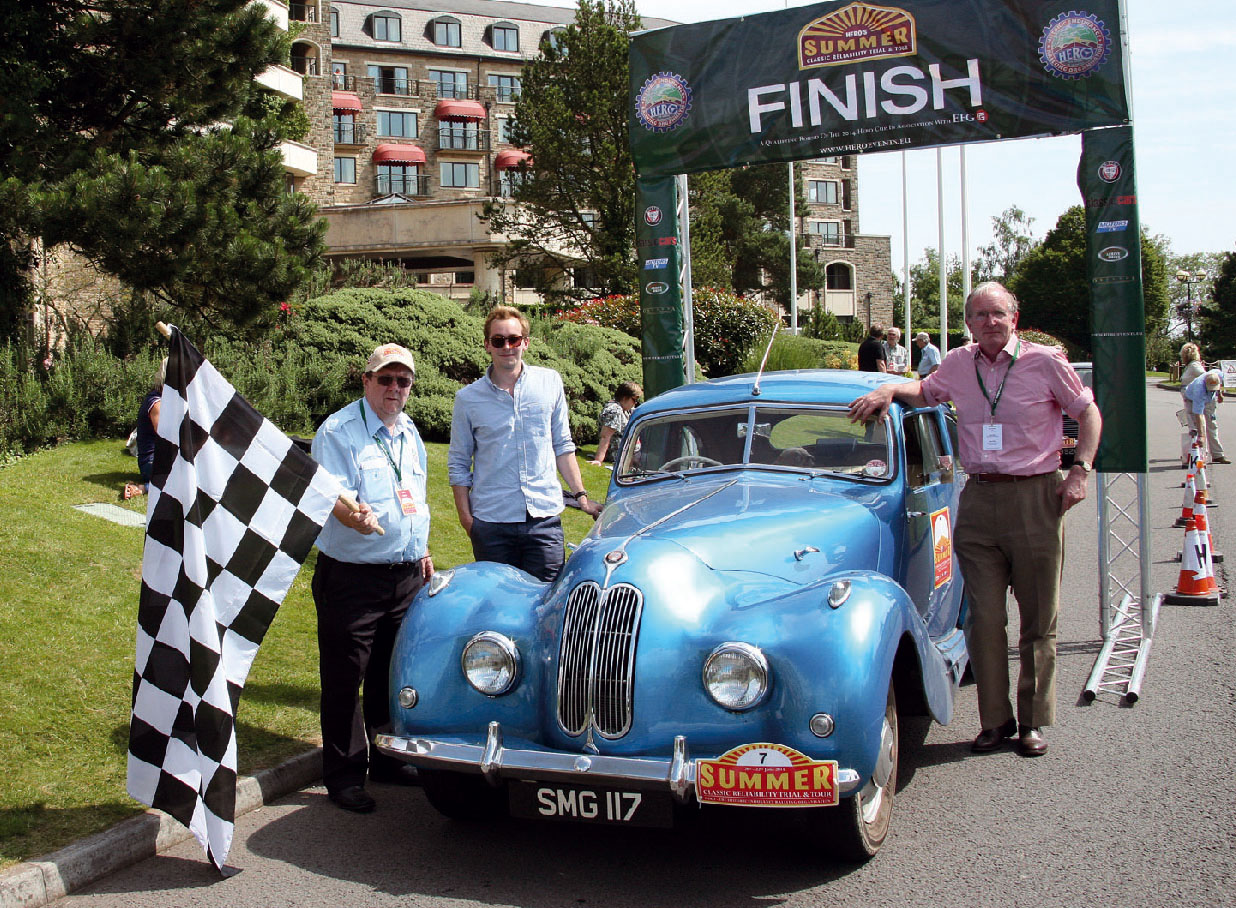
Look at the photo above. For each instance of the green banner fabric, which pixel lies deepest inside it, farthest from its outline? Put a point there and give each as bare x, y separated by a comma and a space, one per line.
843, 78
660, 289
1108, 186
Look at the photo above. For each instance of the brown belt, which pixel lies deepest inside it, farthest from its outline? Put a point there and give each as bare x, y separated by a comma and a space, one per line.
1006, 477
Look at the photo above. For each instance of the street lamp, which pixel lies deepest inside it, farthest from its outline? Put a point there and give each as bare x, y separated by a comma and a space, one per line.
1186, 310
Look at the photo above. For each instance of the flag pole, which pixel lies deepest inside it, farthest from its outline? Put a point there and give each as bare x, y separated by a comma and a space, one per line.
348, 501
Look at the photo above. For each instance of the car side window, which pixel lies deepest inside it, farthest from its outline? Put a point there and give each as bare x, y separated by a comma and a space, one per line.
926, 460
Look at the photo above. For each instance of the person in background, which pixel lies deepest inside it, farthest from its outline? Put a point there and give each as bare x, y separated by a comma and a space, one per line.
614, 417
510, 429
929, 358
898, 356
363, 583
1200, 396
872, 355
147, 431
1192, 368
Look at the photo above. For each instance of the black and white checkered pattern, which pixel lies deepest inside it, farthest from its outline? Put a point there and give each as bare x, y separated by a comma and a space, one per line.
234, 509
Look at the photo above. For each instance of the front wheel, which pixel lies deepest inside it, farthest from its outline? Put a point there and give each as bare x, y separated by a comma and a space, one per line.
857, 827
462, 796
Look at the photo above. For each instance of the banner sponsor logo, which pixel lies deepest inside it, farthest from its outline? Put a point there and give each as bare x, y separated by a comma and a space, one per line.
942, 545
651, 264
664, 102
659, 241
1112, 226
1112, 279
1113, 254
656, 287
652, 215
857, 32
1075, 45
1114, 200
1109, 171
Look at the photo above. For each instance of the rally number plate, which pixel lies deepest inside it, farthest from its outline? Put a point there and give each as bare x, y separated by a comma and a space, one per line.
590, 804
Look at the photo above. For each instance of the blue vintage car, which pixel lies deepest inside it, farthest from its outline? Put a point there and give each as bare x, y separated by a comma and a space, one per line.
768, 590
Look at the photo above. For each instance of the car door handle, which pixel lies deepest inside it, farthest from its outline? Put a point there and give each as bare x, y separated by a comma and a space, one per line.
916, 513
800, 554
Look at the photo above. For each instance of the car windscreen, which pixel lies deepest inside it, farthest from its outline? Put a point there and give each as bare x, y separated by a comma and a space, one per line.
775, 437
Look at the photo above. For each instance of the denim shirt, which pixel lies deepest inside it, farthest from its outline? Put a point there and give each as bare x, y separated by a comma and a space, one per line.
504, 447
346, 446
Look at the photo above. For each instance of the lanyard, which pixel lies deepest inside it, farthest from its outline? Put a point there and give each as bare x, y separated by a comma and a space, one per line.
403, 439
1000, 390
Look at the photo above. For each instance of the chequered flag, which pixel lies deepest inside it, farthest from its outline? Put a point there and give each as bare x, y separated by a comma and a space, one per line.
234, 509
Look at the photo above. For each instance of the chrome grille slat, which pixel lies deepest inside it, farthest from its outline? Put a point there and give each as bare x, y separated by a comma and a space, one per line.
596, 659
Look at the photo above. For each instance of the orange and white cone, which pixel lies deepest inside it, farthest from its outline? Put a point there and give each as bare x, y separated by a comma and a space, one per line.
1196, 585
1190, 496
1199, 472
1203, 528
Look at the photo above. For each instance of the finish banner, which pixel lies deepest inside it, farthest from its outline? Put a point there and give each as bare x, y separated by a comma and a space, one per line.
1117, 311
843, 78
660, 287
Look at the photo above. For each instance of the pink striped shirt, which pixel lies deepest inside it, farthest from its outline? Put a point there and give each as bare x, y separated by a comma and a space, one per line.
1039, 385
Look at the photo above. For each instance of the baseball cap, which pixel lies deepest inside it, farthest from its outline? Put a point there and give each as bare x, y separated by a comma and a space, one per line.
1214, 380
386, 355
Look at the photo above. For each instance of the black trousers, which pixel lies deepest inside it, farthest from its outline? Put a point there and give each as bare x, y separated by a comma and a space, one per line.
360, 608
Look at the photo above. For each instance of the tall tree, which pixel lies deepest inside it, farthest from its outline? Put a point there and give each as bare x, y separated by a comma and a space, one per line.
111, 113
575, 206
1012, 240
925, 294
1218, 319
1054, 291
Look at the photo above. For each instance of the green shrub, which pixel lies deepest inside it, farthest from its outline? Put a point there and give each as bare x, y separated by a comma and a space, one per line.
790, 352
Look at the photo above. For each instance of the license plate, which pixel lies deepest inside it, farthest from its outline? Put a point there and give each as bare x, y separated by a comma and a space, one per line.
590, 804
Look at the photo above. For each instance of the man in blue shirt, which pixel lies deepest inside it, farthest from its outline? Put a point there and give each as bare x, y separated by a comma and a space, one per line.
363, 582
929, 359
510, 433
1200, 396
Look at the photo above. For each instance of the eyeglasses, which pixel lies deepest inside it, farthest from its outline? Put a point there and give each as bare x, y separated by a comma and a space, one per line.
498, 341
403, 381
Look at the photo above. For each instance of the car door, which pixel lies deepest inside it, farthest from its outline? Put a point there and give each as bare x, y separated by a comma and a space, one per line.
929, 567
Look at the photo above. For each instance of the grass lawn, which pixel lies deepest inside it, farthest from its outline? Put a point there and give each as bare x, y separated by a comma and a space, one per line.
69, 585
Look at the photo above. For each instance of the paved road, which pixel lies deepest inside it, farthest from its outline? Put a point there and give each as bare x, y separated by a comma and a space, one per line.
1131, 807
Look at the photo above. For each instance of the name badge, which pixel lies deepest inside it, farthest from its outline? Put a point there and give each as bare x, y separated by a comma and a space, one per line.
993, 437
406, 502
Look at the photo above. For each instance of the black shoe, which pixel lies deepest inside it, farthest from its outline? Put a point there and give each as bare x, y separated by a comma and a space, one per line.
353, 798
990, 739
401, 774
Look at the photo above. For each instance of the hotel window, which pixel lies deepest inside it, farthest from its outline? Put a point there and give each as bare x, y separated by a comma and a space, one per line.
509, 181
398, 123
389, 80
345, 170
445, 32
385, 27
334, 23
450, 84
460, 136
507, 86
405, 179
830, 231
504, 37
460, 175
345, 129
504, 129
822, 192
339, 74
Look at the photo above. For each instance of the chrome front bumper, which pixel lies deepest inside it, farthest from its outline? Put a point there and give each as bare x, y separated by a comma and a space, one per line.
496, 762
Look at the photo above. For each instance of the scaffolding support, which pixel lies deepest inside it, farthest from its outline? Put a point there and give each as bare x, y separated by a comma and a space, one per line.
1128, 611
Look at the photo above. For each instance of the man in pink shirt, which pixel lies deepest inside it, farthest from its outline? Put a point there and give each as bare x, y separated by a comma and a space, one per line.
1009, 394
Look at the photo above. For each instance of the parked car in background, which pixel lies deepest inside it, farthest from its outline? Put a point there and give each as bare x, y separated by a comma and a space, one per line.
769, 590
1085, 371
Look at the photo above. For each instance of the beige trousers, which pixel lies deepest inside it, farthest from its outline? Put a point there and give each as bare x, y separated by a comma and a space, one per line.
1012, 533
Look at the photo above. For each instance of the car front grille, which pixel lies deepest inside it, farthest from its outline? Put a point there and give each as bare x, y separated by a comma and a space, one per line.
596, 659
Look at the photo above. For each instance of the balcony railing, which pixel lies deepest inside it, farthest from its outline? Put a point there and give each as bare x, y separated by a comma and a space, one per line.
306, 66
409, 185
428, 88
342, 82
303, 12
459, 139
349, 134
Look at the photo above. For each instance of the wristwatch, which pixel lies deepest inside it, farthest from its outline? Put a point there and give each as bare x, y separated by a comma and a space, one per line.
1087, 466
582, 493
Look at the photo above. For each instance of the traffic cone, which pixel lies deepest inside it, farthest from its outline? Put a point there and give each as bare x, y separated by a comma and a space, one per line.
1203, 528
1190, 496
1199, 477
1196, 585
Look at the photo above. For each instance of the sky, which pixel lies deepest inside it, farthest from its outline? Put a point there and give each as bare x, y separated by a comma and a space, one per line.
1184, 135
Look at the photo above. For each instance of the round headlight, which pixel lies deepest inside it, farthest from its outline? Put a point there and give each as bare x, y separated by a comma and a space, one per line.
736, 675
491, 663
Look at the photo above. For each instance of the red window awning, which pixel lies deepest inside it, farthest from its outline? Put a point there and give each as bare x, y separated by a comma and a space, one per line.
345, 101
394, 153
449, 109
511, 158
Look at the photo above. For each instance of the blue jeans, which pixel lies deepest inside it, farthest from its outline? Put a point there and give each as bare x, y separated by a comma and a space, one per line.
534, 545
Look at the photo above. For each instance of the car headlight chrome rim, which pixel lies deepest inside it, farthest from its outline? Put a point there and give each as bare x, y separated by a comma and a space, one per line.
490, 662
736, 676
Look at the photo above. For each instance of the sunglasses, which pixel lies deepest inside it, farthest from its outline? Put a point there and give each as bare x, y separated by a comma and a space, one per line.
403, 381
498, 341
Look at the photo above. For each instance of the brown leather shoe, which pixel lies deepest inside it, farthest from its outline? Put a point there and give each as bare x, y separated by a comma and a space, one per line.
353, 798
990, 739
1031, 742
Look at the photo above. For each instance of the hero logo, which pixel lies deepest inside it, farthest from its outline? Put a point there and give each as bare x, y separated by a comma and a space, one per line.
657, 287
1109, 171
1114, 253
1112, 226
652, 215
652, 264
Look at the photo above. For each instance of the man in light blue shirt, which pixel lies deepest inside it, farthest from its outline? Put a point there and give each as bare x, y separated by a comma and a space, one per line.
371, 562
1201, 395
929, 359
510, 434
